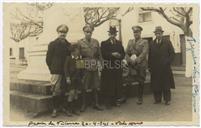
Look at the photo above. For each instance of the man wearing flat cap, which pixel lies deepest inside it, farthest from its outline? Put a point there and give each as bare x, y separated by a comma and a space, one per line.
90, 52
161, 54
111, 77
55, 59
136, 56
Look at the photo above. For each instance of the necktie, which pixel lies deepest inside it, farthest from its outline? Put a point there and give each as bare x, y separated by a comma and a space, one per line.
158, 41
113, 41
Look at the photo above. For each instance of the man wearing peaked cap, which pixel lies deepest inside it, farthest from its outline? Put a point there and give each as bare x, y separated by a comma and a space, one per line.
137, 28
161, 55
88, 28
62, 28
90, 52
111, 76
55, 59
136, 54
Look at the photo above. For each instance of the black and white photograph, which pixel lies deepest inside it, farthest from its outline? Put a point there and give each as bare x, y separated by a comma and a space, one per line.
100, 64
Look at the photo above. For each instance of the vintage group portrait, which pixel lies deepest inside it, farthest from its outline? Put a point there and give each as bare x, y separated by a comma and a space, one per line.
99, 64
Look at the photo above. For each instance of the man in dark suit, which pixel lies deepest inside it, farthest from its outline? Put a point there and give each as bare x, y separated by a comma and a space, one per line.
111, 78
55, 59
161, 54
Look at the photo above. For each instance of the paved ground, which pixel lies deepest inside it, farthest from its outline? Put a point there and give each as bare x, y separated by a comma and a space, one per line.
179, 110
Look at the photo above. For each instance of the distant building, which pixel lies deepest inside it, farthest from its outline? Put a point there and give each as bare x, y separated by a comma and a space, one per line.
148, 20
18, 51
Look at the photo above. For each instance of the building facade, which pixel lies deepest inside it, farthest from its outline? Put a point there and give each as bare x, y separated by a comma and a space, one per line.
148, 20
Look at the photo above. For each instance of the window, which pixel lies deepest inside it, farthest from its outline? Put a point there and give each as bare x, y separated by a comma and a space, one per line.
144, 17
11, 52
21, 53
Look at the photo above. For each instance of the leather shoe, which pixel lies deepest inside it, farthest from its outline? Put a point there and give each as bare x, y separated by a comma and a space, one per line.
140, 101
54, 113
167, 102
98, 108
83, 108
66, 112
108, 107
117, 104
76, 113
157, 102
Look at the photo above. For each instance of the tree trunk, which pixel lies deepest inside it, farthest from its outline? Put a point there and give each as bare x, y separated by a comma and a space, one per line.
188, 32
189, 58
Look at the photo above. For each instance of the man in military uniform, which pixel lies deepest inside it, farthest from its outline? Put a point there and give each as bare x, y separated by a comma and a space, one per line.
55, 59
136, 56
90, 52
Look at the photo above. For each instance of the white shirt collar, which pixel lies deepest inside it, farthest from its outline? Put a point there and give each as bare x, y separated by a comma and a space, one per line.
73, 57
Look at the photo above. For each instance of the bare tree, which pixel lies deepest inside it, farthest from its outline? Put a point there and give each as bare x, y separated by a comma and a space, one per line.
178, 16
181, 17
29, 23
95, 16
20, 31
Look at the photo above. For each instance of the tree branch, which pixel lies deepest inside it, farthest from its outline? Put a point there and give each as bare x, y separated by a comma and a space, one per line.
176, 20
190, 10
97, 16
178, 12
161, 12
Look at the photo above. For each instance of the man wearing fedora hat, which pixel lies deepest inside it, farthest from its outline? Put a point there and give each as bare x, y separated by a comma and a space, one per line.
136, 56
55, 59
161, 54
111, 77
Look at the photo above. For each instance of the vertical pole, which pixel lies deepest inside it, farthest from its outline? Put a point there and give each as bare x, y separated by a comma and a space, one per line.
120, 35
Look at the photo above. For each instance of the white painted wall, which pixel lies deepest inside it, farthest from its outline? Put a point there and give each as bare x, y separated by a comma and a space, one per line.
130, 20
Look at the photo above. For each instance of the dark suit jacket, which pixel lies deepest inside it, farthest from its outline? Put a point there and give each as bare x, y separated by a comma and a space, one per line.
56, 55
72, 67
107, 48
74, 70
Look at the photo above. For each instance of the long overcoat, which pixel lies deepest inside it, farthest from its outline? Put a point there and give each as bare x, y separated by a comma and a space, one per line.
160, 57
140, 49
111, 76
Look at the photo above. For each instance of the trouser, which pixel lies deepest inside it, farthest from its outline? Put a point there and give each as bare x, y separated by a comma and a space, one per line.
118, 92
95, 98
73, 105
140, 90
166, 95
58, 97
58, 101
141, 75
55, 102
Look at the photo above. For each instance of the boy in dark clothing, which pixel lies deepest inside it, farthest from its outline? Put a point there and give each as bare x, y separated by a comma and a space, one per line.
73, 75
